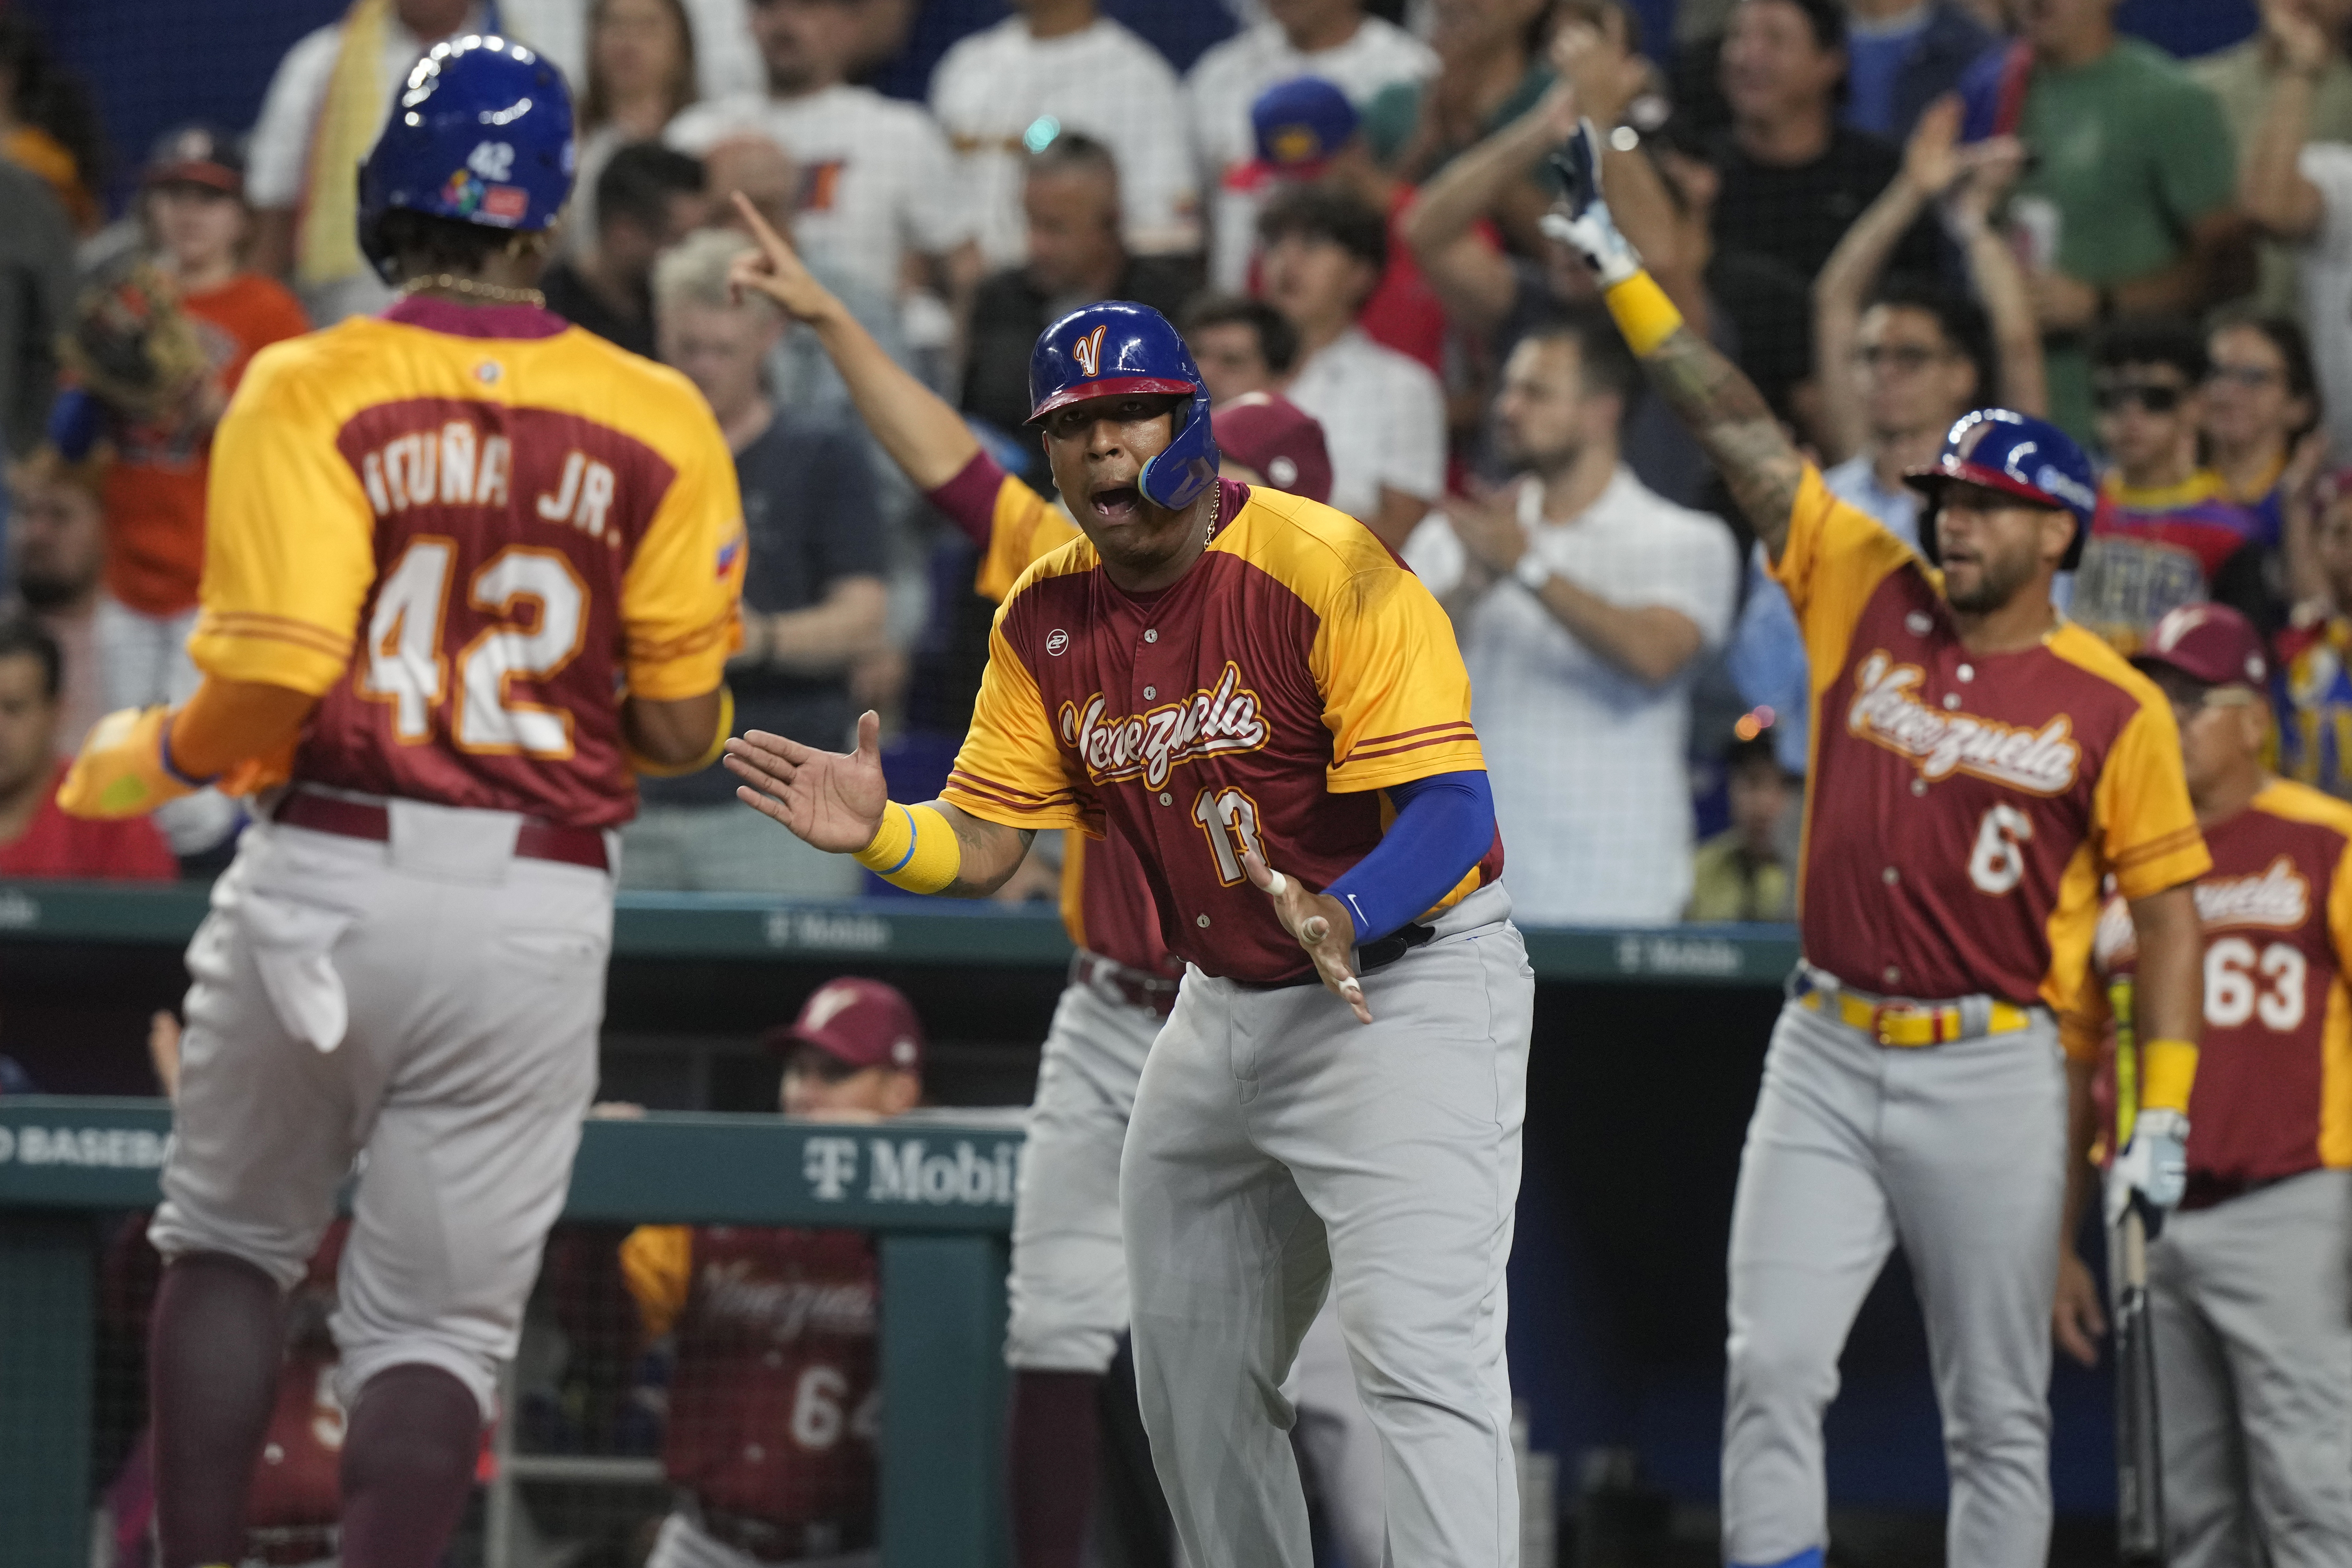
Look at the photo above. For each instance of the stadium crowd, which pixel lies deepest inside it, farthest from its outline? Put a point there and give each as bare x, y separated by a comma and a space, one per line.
1887, 211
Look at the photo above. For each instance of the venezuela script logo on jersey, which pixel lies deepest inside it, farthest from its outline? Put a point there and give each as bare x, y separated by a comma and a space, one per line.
1887, 712
2278, 897
1151, 744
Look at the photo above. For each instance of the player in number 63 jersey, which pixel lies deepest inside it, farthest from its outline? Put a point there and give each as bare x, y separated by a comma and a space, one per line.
1978, 766
2247, 1283
441, 542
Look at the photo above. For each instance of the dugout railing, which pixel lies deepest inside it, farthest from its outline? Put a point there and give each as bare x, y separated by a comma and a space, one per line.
937, 1195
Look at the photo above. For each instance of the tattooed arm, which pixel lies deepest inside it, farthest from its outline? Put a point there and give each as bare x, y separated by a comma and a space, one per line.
1731, 420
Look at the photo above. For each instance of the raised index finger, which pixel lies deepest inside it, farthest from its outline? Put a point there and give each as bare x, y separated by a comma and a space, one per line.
770, 240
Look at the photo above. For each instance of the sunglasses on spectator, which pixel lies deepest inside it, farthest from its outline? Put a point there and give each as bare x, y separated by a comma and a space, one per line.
2154, 399
2251, 377
1900, 356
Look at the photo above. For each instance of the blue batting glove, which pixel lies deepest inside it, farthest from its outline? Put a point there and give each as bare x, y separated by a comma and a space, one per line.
1581, 220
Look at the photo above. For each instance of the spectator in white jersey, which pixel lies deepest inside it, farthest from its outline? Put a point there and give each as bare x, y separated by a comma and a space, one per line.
1059, 65
1383, 413
1583, 602
877, 195
1330, 39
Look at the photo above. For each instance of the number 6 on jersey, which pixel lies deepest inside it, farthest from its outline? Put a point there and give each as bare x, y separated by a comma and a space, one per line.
406, 668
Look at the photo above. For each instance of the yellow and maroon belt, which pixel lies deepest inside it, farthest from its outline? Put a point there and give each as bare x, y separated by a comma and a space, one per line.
1907, 1025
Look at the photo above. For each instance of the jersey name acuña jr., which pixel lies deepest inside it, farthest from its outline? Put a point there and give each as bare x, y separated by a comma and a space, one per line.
463, 530
1965, 808
1262, 701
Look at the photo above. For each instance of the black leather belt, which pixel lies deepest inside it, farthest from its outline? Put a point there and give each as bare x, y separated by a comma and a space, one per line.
1370, 956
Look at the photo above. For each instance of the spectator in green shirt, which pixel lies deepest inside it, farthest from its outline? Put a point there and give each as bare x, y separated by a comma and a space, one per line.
1744, 872
2126, 210
2244, 78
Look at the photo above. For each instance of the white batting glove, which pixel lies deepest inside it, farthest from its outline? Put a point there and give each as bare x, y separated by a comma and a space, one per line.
2154, 1164
1581, 221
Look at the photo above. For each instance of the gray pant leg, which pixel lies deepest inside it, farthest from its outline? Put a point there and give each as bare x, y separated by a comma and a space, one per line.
1068, 1284
1226, 1265
1811, 1229
1342, 1445
1972, 1146
2271, 1275
2206, 1522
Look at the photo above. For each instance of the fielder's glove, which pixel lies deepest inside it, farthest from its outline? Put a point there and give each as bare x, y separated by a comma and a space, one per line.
2154, 1166
1581, 221
131, 346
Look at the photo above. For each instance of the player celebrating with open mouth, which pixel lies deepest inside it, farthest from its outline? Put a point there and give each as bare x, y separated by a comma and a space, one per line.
1236, 680
1982, 764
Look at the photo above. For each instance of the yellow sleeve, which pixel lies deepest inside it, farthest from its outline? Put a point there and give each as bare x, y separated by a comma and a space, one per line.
1396, 696
290, 540
679, 597
2339, 911
1027, 526
1010, 770
2147, 830
1835, 556
658, 1264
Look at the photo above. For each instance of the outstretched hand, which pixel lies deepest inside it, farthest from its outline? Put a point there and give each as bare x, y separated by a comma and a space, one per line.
830, 801
776, 271
1322, 926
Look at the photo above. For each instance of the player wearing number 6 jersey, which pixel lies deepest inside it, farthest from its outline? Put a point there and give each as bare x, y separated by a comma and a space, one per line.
1978, 766
441, 544
1247, 689
2247, 1282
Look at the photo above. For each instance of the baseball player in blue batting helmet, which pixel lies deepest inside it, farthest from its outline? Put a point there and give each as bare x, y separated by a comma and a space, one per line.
1119, 349
481, 133
2017, 456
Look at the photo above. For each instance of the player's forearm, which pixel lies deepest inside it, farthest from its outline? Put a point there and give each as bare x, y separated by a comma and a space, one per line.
229, 722
2169, 994
922, 434
666, 737
1649, 641
944, 851
1731, 420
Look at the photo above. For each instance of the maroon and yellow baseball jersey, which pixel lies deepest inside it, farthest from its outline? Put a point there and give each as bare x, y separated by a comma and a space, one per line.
1106, 901
774, 1404
1262, 701
463, 530
1965, 808
2273, 1093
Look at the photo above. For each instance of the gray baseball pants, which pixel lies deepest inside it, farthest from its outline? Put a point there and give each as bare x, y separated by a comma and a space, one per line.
1280, 1149
431, 1003
1957, 1153
2250, 1305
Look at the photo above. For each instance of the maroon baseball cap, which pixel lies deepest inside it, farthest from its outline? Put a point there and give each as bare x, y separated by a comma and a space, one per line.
2211, 645
861, 1022
1277, 440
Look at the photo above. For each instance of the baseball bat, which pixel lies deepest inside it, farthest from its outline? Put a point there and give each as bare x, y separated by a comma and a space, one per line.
2139, 1460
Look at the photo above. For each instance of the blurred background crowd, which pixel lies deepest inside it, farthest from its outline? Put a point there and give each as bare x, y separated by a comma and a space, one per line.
2135, 217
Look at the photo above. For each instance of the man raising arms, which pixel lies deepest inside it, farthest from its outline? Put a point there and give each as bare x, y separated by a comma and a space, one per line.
1986, 764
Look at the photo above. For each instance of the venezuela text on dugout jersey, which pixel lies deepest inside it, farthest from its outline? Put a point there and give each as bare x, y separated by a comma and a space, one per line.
1263, 702
460, 527
1106, 901
2152, 551
774, 1403
1965, 808
2273, 1093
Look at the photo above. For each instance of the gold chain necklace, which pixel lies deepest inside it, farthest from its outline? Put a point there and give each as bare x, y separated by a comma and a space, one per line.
496, 293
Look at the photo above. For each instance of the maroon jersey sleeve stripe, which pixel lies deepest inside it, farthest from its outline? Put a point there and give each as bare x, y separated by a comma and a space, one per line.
1005, 795
2157, 849
279, 628
650, 650
1465, 734
1408, 734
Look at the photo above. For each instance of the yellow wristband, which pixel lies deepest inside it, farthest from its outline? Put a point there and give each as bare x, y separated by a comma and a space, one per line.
1644, 313
914, 848
2167, 1070
640, 763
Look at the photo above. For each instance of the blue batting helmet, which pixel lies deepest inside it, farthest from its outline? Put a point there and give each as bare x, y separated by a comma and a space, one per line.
480, 133
1116, 348
2017, 456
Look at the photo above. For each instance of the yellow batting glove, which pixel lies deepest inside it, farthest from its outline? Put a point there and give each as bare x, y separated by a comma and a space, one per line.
124, 768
